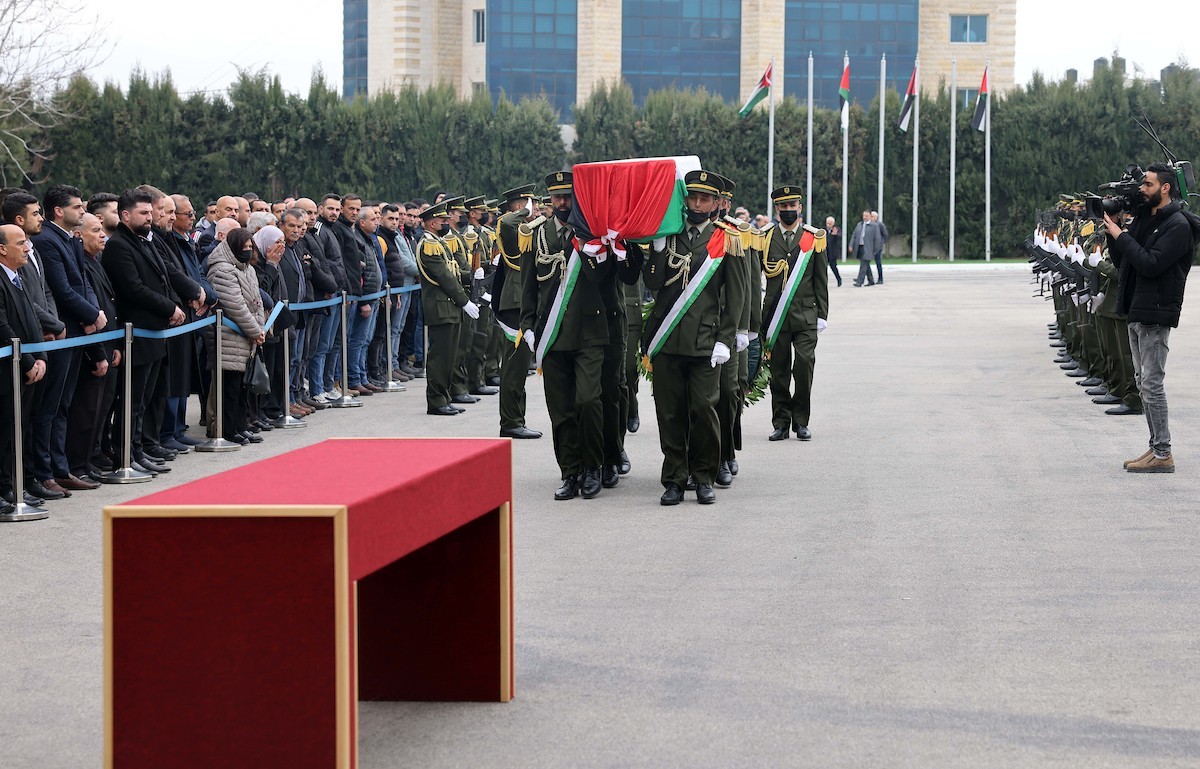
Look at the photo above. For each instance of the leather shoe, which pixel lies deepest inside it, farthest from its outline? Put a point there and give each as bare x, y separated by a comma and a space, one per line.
672, 496
1079, 372
1121, 411
626, 465
362, 390
485, 390
520, 432
568, 490
780, 434
47, 490
633, 424
724, 478
1106, 400
443, 411
1058, 344
160, 452
590, 485
176, 446
315, 404
464, 398
237, 438
705, 494
493, 381
609, 476
75, 483
1097, 391
733, 467
459, 409
252, 437
1068, 365
1091, 381
141, 468
374, 388
802, 432
188, 440
690, 485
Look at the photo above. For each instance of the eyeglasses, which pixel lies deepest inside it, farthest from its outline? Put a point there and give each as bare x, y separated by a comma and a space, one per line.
188, 214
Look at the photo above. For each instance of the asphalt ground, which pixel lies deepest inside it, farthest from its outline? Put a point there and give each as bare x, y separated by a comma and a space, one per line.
954, 572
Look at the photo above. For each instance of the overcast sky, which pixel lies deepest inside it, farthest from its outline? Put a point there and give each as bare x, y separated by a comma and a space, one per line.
204, 50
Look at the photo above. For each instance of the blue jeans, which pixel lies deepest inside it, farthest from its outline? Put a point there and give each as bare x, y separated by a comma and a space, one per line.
359, 337
1149, 347
319, 379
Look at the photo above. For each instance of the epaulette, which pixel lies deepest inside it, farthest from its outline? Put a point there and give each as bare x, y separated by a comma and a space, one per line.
819, 238
1087, 229
733, 239
431, 246
764, 237
525, 235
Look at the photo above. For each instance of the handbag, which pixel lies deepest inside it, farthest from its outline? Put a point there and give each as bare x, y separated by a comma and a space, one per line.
256, 379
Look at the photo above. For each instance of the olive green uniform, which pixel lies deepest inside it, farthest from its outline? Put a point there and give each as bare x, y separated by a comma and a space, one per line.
506, 303
481, 242
442, 300
633, 335
463, 253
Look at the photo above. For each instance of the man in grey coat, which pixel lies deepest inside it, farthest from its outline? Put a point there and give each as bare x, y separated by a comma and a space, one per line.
864, 242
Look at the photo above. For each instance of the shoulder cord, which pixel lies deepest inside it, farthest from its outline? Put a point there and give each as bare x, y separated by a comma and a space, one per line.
556, 260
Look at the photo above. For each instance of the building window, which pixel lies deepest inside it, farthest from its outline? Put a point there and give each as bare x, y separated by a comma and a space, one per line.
968, 29
967, 97
477, 87
354, 48
682, 45
480, 26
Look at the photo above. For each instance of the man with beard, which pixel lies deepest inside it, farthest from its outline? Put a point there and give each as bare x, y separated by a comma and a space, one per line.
506, 308
325, 286
402, 271
325, 367
103, 205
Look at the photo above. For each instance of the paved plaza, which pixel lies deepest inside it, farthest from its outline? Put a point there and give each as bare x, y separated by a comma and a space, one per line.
954, 572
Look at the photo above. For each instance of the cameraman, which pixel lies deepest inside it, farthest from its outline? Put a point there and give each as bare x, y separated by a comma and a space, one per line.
1153, 257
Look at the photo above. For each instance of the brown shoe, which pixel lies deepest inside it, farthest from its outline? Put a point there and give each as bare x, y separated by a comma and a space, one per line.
1149, 453
296, 410
76, 484
1154, 464
400, 376
372, 387
362, 390
52, 486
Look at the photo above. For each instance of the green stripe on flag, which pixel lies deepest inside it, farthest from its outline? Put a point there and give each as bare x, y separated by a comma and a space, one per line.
752, 102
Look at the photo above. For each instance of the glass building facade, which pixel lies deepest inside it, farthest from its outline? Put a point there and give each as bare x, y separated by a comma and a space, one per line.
682, 44
531, 50
866, 30
354, 48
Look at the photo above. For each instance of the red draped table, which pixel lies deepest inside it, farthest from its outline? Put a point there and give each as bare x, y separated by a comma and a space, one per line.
247, 613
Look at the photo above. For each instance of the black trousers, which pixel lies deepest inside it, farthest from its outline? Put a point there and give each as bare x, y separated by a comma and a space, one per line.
8, 470
94, 397
49, 422
143, 380
573, 398
233, 411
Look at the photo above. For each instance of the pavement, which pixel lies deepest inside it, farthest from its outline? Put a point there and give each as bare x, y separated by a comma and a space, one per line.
954, 572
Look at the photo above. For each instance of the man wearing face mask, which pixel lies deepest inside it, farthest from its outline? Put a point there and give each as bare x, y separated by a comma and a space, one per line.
699, 295
481, 242
464, 250
564, 324
506, 304
445, 303
795, 311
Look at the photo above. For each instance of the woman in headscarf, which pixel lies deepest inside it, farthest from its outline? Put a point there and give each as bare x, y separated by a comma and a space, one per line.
236, 284
269, 242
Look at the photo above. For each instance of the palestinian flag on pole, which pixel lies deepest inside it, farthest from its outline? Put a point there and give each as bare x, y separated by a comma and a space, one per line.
760, 91
979, 120
910, 97
638, 200
844, 96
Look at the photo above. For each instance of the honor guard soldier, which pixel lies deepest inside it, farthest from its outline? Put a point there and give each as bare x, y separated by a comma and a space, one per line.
795, 311
699, 292
564, 323
480, 244
464, 253
444, 302
495, 343
506, 311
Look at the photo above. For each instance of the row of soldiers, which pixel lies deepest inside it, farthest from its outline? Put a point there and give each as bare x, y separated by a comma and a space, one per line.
576, 315
1071, 264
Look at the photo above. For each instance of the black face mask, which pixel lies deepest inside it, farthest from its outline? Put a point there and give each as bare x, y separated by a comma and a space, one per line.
462, 221
443, 231
244, 256
562, 214
696, 217
789, 217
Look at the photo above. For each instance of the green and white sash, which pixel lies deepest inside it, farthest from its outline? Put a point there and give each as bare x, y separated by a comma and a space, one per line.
558, 310
787, 295
683, 303
509, 332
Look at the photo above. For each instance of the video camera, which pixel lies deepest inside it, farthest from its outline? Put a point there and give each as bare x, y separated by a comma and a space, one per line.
1125, 194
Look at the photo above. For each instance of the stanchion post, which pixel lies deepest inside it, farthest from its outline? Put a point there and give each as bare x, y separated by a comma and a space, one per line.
125, 473
218, 443
287, 421
390, 385
19, 511
347, 400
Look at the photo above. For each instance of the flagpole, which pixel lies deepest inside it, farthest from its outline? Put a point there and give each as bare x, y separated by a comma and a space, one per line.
771, 138
808, 187
953, 119
845, 157
916, 150
987, 166
882, 110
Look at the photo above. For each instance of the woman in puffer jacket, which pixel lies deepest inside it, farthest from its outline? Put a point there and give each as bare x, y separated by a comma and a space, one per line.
236, 284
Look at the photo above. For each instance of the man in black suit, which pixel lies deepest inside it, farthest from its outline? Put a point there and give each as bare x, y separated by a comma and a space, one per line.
62, 258
145, 298
17, 320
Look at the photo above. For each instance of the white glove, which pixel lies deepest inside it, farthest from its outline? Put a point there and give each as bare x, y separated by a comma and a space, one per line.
822, 324
471, 309
478, 273
720, 354
658, 244
1094, 259
496, 260
742, 340
529, 340
1099, 299
487, 298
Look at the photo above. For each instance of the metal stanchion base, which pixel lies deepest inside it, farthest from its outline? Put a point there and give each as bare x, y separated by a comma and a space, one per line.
287, 421
216, 444
345, 402
393, 386
125, 475
24, 512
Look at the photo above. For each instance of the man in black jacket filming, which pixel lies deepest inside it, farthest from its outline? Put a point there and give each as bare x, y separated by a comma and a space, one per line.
1153, 257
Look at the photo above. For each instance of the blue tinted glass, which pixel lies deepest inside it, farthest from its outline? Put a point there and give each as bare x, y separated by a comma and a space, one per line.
669, 43
979, 25
538, 56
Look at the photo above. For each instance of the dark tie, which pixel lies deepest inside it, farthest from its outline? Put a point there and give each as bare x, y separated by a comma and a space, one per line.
693, 234
789, 238
18, 282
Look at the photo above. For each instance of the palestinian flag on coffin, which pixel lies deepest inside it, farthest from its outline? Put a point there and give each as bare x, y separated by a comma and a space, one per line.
638, 200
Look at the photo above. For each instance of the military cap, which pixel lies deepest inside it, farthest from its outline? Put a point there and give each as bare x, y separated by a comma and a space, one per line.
516, 193
702, 181
785, 194
455, 203
726, 185
475, 202
492, 204
560, 183
437, 209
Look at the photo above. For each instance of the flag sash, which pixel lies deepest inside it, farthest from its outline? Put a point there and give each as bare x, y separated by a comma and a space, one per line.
558, 309
683, 303
509, 332
789, 293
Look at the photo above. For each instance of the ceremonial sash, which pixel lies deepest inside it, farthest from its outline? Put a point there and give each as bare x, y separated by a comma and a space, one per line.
558, 310
807, 246
509, 332
688, 297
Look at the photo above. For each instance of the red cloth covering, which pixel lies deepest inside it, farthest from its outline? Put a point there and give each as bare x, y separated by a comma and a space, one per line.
624, 198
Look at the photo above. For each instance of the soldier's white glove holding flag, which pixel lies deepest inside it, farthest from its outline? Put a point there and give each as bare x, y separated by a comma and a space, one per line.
530, 341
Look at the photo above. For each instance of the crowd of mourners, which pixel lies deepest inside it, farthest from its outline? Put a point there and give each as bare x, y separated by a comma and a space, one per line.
76, 267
